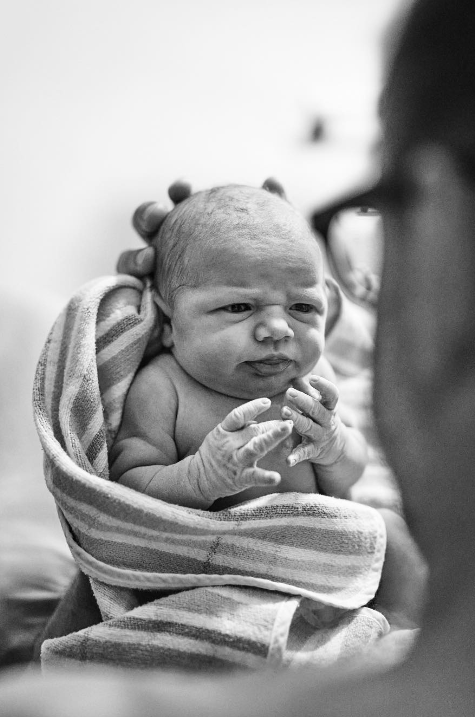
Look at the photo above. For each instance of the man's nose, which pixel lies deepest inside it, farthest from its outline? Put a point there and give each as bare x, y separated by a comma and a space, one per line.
273, 324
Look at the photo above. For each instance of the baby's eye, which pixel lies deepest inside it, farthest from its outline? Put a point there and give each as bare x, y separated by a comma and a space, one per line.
303, 308
237, 308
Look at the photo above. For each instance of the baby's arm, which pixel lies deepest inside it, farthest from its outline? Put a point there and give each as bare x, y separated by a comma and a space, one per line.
144, 455
338, 451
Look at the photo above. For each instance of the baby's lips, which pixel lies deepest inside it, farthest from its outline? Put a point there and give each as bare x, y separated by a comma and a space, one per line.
270, 365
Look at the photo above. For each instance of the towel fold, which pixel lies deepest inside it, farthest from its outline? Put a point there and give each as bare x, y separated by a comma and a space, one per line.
241, 576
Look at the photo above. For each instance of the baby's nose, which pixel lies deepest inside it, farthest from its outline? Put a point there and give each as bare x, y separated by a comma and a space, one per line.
273, 325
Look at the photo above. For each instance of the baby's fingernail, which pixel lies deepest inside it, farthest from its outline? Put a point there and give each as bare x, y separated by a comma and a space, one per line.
292, 392
314, 379
291, 461
286, 412
265, 401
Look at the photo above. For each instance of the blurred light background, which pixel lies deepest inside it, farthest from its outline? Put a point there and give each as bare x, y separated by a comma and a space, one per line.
106, 102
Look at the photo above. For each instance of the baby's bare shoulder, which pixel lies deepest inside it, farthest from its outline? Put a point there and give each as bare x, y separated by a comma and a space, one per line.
160, 373
157, 381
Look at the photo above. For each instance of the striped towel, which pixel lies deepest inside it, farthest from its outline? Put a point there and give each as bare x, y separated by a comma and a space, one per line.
247, 587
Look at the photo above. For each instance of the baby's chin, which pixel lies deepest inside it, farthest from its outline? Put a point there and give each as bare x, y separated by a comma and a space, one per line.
268, 387
249, 383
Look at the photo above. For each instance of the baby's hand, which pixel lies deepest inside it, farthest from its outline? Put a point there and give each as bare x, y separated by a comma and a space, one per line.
225, 463
313, 413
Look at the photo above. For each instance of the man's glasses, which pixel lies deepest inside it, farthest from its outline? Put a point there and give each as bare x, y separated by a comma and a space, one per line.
351, 231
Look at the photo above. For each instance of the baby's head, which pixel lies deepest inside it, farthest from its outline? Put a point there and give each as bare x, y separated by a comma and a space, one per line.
215, 221
240, 276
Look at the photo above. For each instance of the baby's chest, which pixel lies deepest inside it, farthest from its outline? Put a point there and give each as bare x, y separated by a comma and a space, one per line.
200, 414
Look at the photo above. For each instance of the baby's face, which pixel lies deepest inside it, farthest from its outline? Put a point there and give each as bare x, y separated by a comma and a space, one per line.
257, 319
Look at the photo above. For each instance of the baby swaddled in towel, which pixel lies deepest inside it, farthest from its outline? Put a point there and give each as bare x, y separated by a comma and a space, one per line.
240, 282
227, 414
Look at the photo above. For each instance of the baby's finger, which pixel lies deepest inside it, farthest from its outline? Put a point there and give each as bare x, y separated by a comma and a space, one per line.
253, 428
303, 452
328, 391
301, 384
259, 446
240, 416
254, 475
305, 403
137, 262
302, 424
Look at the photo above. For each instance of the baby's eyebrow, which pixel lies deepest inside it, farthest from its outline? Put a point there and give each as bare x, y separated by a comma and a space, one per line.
237, 294
311, 294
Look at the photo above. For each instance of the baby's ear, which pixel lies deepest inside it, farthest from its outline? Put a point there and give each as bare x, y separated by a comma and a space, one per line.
334, 299
167, 333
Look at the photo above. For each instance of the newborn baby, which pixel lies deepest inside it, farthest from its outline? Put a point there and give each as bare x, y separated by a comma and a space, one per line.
241, 403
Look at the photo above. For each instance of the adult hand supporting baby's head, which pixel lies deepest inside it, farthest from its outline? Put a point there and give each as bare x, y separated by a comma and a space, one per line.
137, 262
147, 220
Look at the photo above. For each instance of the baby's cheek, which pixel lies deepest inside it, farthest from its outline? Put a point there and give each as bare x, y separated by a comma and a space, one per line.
312, 350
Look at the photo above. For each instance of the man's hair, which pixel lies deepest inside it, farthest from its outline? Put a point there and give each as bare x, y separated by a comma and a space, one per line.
204, 221
430, 86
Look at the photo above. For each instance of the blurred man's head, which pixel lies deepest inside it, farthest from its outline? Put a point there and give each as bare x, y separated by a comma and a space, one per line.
425, 360
430, 86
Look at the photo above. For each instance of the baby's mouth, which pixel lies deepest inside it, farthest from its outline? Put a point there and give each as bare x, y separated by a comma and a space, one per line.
270, 366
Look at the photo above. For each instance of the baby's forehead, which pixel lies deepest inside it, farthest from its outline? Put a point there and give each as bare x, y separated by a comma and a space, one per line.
247, 266
262, 231
243, 214
232, 232
242, 202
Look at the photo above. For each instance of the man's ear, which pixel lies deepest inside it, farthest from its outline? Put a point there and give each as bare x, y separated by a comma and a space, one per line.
167, 330
333, 293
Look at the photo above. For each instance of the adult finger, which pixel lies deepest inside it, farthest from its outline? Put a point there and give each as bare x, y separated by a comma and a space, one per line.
241, 415
273, 186
137, 262
179, 191
259, 446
